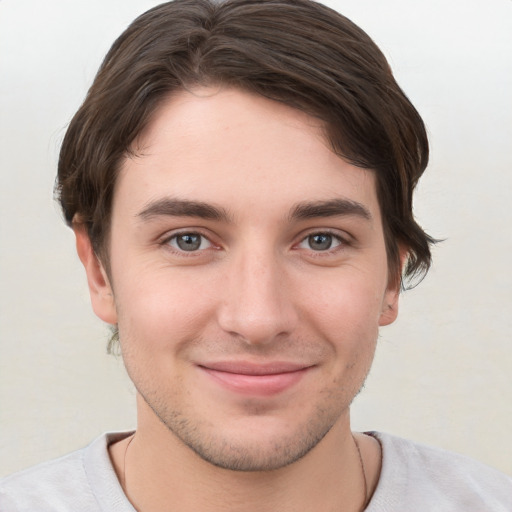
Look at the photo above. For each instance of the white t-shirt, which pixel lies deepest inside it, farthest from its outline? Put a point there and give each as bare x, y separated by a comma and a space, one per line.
414, 478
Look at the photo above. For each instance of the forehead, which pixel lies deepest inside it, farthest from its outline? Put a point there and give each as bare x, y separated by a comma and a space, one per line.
238, 149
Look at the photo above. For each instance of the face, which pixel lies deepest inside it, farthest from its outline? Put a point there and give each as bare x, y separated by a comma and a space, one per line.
248, 277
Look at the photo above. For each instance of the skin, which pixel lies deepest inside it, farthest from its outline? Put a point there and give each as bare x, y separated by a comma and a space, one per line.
290, 269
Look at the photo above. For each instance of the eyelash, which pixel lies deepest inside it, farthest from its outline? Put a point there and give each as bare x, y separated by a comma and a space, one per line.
342, 243
166, 243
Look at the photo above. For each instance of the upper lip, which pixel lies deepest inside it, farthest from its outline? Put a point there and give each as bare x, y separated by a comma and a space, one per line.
250, 368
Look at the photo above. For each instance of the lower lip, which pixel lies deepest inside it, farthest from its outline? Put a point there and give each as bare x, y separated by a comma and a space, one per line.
262, 385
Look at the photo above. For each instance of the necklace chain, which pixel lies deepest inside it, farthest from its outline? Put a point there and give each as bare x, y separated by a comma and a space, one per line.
123, 483
365, 483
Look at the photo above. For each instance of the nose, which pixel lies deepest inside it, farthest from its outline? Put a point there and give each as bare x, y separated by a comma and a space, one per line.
257, 303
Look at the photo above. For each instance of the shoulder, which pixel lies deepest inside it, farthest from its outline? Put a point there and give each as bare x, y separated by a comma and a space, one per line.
420, 477
57, 485
48, 486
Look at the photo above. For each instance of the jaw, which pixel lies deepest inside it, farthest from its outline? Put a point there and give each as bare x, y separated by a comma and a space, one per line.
172, 471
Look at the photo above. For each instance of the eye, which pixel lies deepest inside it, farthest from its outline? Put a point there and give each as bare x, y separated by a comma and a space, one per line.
320, 242
189, 242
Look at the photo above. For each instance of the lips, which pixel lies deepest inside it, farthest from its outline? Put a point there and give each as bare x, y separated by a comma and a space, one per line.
255, 379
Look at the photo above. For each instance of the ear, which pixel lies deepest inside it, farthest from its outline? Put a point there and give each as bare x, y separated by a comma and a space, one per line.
100, 290
389, 310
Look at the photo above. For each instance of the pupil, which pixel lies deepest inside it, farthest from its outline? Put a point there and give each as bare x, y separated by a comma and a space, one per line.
320, 242
189, 242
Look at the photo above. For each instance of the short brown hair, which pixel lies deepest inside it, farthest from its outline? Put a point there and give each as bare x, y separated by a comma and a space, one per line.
297, 52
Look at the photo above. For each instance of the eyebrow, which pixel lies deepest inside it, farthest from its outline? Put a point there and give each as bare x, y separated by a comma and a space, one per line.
330, 208
171, 207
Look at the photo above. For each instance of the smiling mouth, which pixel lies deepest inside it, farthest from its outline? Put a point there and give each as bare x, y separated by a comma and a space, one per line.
255, 379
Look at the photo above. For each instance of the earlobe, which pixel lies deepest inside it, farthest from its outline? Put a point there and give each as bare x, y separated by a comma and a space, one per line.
389, 308
389, 311
100, 290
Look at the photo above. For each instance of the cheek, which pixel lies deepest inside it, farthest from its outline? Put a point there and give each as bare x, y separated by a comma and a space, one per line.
344, 305
346, 315
161, 308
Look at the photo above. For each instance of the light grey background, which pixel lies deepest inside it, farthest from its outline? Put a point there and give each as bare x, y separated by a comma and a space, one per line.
443, 372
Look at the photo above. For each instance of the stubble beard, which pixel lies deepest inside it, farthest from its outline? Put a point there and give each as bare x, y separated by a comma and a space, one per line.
215, 446
265, 450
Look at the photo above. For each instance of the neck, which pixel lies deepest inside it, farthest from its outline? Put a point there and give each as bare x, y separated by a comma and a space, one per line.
157, 469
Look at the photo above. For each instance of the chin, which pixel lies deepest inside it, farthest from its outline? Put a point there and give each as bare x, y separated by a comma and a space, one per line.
255, 455
250, 442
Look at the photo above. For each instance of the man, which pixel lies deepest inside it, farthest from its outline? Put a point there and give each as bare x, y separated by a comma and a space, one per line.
239, 180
